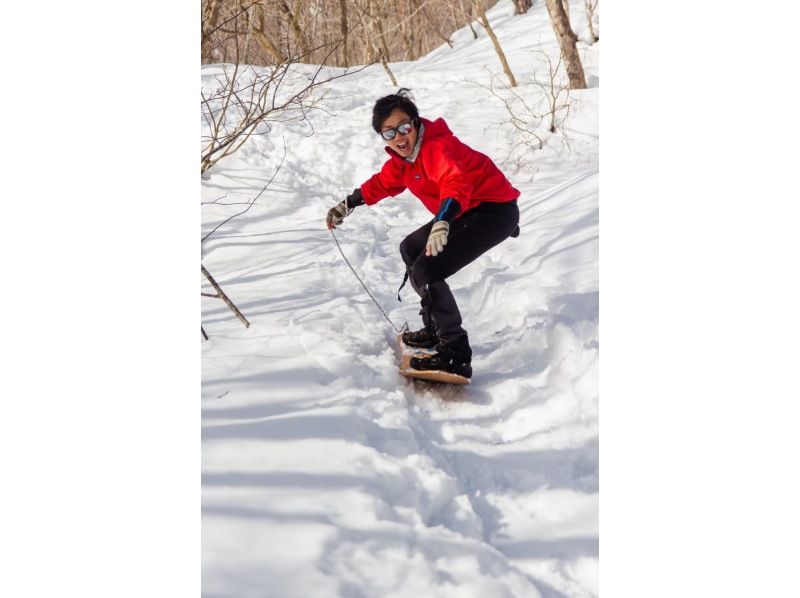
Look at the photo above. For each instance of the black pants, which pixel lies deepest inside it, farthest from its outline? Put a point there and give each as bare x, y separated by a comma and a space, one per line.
471, 235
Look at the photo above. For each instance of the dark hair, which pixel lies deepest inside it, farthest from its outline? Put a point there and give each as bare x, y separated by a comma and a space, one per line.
384, 107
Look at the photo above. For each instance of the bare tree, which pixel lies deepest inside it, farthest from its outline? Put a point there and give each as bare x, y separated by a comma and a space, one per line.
209, 20
407, 31
263, 39
524, 120
468, 12
243, 100
294, 23
522, 6
247, 100
481, 8
375, 17
374, 42
528, 111
555, 93
591, 6
221, 23
567, 40
433, 23
307, 29
344, 30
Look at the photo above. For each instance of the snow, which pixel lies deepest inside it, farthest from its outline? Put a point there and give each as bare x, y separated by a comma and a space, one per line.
325, 473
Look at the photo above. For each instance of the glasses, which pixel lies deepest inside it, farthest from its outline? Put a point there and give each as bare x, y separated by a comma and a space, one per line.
403, 129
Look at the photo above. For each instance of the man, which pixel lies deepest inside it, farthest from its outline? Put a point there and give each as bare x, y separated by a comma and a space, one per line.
474, 205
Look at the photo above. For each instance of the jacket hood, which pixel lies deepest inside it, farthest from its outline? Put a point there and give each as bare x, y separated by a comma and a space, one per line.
435, 128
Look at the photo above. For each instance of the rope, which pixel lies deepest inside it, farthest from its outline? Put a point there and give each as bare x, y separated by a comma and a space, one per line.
375, 301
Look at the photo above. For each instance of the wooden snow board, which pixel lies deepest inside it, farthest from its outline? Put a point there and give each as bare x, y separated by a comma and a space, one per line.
406, 353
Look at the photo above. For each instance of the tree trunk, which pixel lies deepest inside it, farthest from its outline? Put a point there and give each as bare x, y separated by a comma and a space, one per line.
343, 28
261, 37
383, 49
590, 7
468, 11
567, 40
296, 30
248, 33
209, 20
433, 23
376, 20
388, 70
265, 44
211, 15
407, 32
522, 6
496, 43
371, 24
454, 16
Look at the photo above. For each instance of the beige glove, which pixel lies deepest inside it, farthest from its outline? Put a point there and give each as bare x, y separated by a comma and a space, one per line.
438, 238
337, 214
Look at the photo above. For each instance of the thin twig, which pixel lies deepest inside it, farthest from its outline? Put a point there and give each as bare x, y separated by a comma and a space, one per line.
203, 203
250, 204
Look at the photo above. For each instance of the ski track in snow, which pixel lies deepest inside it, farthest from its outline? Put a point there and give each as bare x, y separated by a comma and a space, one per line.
325, 473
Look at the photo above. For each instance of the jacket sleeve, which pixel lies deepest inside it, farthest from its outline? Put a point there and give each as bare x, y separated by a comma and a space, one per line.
446, 168
387, 182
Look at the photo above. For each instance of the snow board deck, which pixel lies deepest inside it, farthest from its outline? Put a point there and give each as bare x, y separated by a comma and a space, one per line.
406, 353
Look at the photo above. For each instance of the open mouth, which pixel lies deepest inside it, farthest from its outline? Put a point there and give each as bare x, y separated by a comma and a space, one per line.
403, 146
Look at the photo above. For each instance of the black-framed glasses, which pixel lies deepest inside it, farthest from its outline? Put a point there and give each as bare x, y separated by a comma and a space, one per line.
402, 128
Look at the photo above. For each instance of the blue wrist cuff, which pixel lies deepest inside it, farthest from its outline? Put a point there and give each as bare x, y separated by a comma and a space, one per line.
448, 211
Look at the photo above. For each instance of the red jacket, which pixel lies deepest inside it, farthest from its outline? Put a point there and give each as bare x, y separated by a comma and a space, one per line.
445, 167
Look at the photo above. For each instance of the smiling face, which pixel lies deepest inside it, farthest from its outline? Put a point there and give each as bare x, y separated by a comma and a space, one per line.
402, 144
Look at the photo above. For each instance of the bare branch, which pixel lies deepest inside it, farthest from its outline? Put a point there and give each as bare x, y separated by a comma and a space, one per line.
221, 295
251, 203
527, 112
495, 42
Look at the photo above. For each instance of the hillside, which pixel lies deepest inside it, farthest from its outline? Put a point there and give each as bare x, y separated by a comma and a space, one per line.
324, 473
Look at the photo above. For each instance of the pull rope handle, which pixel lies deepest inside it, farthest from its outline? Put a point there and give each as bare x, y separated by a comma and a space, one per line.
375, 301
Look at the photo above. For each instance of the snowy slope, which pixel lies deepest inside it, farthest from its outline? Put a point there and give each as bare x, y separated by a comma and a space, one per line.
327, 474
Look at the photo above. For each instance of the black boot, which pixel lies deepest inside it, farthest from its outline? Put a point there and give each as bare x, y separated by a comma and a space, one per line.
446, 359
423, 339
